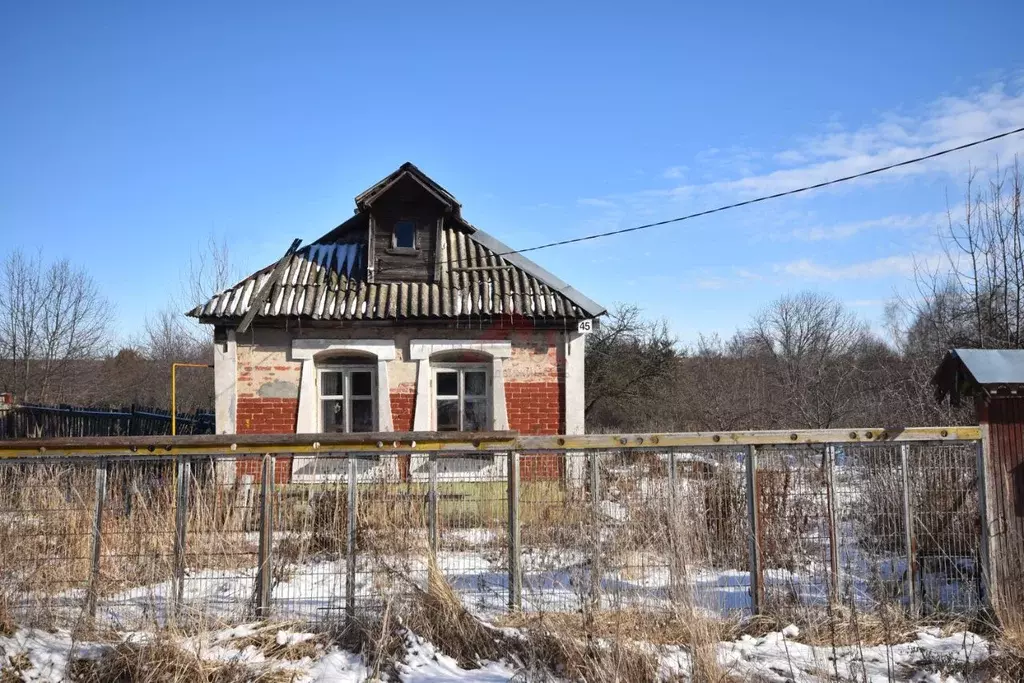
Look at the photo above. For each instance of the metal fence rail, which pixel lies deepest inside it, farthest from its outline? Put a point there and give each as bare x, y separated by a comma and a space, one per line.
152, 535
49, 421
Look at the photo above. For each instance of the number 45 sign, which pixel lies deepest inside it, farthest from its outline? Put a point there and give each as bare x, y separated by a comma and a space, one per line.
585, 326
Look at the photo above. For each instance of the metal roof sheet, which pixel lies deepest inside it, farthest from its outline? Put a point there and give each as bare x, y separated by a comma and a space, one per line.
993, 366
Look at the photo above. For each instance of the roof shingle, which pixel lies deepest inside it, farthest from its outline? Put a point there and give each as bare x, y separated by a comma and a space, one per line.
327, 281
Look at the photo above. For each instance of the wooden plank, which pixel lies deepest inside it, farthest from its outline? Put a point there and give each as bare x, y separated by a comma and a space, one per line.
371, 252
415, 442
326, 440
256, 305
744, 438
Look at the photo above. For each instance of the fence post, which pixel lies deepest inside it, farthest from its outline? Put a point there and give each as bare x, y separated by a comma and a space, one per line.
984, 583
350, 539
754, 517
908, 529
97, 537
595, 531
184, 475
833, 540
674, 578
515, 574
264, 574
432, 505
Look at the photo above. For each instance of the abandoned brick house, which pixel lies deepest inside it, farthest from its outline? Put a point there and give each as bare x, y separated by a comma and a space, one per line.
403, 318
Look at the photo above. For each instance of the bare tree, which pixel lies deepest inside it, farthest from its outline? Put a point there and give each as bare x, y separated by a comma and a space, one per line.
976, 297
51, 318
170, 335
209, 271
809, 343
720, 386
630, 362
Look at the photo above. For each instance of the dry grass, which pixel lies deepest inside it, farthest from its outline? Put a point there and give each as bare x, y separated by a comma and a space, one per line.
165, 661
46, 536
619, 645
264, 639
7, 622
1007, 663
841, 626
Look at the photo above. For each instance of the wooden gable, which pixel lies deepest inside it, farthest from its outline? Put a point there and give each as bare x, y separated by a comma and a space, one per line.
406, 203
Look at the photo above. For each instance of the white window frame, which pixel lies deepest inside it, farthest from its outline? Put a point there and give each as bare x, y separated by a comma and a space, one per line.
346, 369
425, 419
317, 353
461, 368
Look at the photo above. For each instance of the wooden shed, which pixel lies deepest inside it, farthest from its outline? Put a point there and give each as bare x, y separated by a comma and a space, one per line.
994, 380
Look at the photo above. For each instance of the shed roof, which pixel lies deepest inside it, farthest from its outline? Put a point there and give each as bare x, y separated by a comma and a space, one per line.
477, 276
962, 371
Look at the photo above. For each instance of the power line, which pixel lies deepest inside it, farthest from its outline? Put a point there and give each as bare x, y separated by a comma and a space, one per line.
777, 195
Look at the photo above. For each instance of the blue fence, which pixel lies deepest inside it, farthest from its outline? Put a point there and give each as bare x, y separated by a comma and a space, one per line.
53, 421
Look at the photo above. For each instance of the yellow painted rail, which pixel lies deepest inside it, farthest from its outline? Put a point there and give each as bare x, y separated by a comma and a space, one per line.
457, 442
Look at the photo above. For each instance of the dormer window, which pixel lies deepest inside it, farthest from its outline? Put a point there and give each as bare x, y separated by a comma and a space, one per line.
404, 236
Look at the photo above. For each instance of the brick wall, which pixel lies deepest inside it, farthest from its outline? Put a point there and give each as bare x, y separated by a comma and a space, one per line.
537, 408
268, 383
254, 467
537, 466
403, 407
257, 415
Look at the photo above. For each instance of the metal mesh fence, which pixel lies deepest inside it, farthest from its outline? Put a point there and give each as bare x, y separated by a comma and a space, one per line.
216, 540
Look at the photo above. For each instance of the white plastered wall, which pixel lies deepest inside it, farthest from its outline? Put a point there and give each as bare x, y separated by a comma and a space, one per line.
225, 388
575, 403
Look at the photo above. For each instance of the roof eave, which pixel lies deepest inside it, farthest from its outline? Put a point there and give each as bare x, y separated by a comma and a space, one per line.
585, 303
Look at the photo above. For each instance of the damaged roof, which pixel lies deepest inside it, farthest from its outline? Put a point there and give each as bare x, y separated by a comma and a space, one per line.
476, 276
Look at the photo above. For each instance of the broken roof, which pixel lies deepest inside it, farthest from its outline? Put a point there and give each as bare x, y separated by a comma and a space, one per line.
477, 275
964, 370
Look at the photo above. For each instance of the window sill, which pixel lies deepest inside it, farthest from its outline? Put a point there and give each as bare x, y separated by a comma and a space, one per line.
402, 251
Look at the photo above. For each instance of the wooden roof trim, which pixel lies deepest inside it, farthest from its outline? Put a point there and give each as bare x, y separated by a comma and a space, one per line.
369, 196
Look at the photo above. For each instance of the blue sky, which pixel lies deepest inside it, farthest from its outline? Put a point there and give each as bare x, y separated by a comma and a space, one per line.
130, 133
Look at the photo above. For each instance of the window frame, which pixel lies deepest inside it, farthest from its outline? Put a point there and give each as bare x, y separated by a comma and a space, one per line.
346, 370
394, 236
461, 368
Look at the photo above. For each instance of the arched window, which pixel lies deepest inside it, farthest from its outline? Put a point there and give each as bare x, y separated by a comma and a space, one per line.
344, 385
460, 385
343, 388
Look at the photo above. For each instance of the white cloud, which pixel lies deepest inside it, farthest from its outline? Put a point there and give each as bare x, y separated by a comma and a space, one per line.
946, 122
596, 202
674, 172
720, 174
838, 231
712, 282
790, 157
808, 269
748, 274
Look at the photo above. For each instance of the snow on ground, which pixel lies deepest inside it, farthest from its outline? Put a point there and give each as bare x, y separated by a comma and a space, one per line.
43, 657
778, 657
